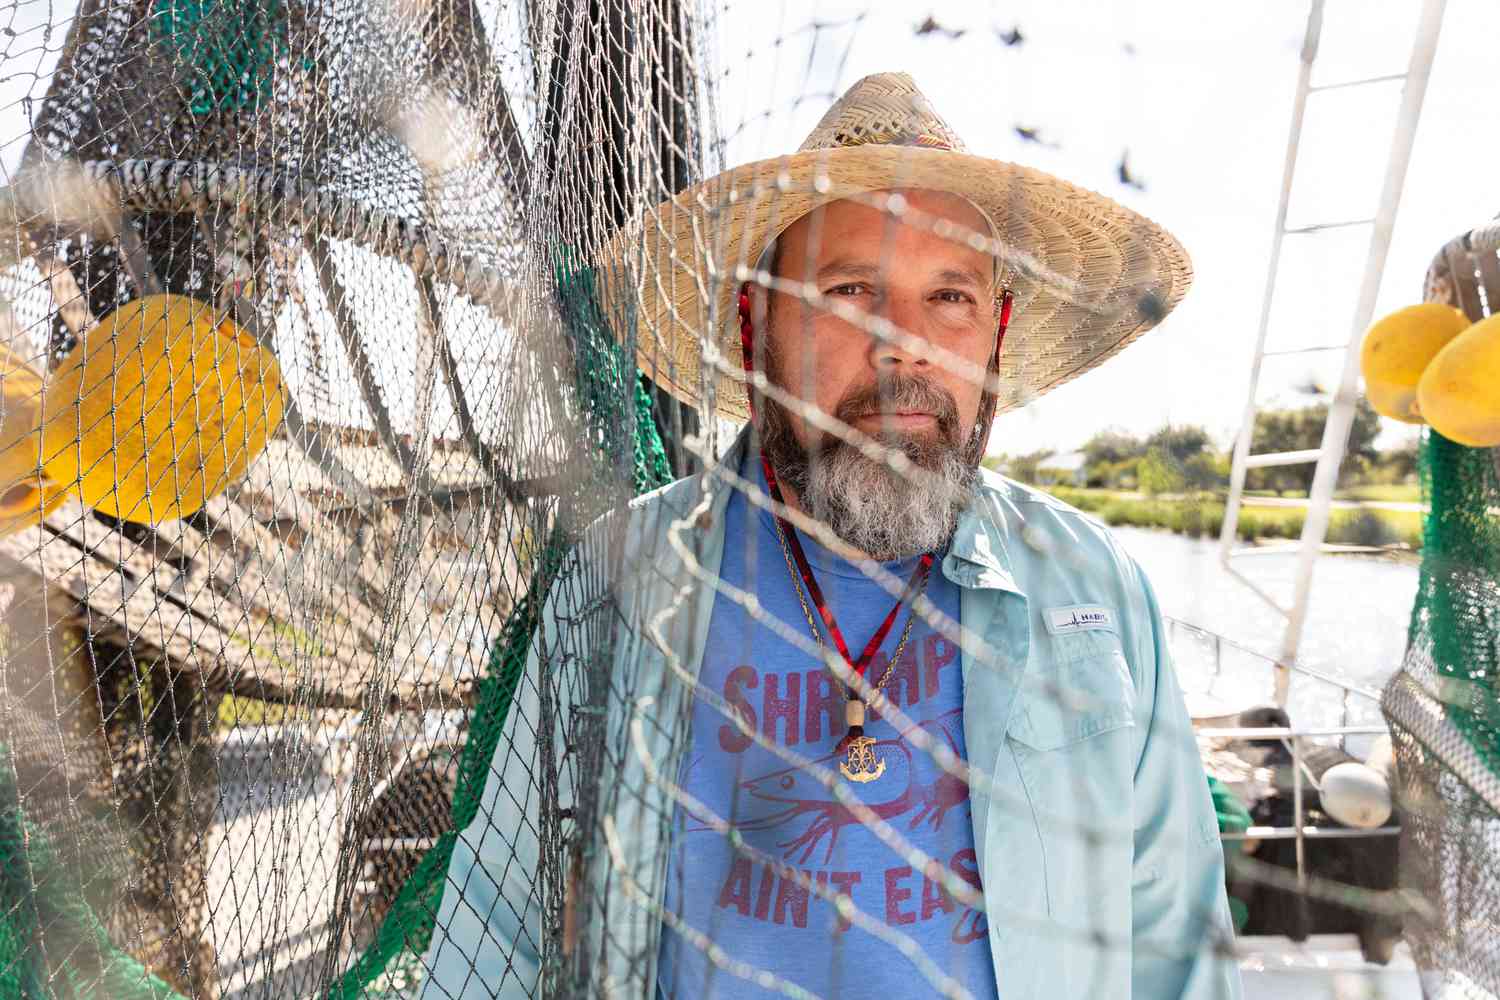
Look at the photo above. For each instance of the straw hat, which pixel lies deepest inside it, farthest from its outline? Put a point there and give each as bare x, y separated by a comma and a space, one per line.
1088, 275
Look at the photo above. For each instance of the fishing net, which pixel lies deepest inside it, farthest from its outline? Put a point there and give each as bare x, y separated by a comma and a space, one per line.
322, 419
238, 739
1444, 704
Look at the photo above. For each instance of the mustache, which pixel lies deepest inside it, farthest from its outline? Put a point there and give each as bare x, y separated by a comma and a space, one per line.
901, 393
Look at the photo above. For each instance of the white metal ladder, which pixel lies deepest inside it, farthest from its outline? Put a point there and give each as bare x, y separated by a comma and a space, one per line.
1341, 411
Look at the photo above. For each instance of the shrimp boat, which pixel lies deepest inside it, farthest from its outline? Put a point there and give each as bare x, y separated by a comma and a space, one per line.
242, 725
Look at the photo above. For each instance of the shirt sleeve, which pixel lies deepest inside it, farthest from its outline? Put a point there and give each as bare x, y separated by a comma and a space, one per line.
1181, 928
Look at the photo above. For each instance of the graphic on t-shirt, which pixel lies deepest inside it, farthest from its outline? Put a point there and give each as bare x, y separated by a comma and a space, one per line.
916, 799
792, 800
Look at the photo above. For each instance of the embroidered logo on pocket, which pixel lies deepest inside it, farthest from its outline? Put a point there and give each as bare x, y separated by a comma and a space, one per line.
1079, 618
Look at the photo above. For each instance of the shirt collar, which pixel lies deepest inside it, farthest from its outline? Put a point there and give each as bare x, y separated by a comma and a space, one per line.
977, 557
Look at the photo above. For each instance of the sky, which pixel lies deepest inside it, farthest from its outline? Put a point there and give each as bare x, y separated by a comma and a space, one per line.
1200, 93
1204, 106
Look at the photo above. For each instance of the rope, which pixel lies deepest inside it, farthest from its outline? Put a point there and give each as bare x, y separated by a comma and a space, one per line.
175, 186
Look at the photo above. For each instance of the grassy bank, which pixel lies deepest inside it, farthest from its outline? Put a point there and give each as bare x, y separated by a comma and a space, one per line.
1394, 492
1385, 492
243, 711
1204, 516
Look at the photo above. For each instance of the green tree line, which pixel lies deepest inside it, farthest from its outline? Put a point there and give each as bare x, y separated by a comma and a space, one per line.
1183, 457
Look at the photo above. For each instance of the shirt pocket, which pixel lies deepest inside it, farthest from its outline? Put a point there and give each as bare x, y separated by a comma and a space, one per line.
1070, 743
1079, 687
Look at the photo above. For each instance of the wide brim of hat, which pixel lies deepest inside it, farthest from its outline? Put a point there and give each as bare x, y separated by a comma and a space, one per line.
1088, 275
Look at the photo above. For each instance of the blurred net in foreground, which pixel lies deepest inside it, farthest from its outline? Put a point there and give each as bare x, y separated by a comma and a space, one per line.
241, 732
1444, 705
232, 734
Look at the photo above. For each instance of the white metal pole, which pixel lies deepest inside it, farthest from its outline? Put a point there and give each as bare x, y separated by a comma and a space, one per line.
1341, 412
1228, 533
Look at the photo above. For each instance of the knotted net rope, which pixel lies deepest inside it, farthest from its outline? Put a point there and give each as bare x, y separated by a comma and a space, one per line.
252, 731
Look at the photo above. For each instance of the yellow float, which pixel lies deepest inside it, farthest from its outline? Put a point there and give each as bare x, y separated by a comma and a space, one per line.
158, 408
26, 494
1460, 391
1397, 350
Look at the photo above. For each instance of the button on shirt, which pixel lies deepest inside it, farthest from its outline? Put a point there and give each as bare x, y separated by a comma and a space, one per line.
800, 842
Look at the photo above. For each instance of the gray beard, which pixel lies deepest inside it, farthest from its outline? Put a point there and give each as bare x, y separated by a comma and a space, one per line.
864, 501
879, 511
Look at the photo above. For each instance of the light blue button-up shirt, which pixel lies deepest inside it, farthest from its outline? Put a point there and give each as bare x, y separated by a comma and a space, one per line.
1096, 836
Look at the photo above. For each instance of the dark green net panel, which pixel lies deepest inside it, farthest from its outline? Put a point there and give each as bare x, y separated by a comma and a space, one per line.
230, 45
1458, 608
51, 943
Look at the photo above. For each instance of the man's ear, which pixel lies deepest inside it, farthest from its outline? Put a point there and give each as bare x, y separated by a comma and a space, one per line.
760, 304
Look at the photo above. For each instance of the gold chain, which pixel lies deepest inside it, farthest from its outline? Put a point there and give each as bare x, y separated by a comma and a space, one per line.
812, 626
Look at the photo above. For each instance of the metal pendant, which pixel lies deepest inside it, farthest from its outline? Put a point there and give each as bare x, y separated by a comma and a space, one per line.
859, 763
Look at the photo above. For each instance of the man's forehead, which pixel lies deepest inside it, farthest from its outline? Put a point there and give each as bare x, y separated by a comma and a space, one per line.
874, 264
829, 236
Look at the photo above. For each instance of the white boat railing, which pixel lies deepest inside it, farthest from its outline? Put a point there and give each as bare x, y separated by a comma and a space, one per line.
1349, 692
1293, 738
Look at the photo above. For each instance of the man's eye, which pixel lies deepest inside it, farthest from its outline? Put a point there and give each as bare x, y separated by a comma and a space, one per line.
954, 295
849, 289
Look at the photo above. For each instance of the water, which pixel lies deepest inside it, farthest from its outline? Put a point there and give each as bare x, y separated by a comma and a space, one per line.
1356, 623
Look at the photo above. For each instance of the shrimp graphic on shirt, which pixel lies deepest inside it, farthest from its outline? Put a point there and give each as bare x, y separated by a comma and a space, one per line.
792, 801
790, 804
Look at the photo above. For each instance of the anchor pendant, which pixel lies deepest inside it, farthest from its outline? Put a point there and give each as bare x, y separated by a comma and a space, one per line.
859, 763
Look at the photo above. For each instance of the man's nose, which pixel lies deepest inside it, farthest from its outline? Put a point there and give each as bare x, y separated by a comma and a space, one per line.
901, 340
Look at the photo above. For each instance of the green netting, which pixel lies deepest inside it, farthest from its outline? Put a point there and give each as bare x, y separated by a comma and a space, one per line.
407, 928
52, 947
231, 46
1444, 712
1458, 609
602, 369
1443, 706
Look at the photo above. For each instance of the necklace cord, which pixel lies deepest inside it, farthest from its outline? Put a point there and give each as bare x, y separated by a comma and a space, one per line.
817, 635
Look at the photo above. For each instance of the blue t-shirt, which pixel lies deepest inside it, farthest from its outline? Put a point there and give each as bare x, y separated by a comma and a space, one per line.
745, 907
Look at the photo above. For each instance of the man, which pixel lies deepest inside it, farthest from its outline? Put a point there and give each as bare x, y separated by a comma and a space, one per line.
932, 744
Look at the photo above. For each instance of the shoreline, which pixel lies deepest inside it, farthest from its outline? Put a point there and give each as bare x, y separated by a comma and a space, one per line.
1394, 531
